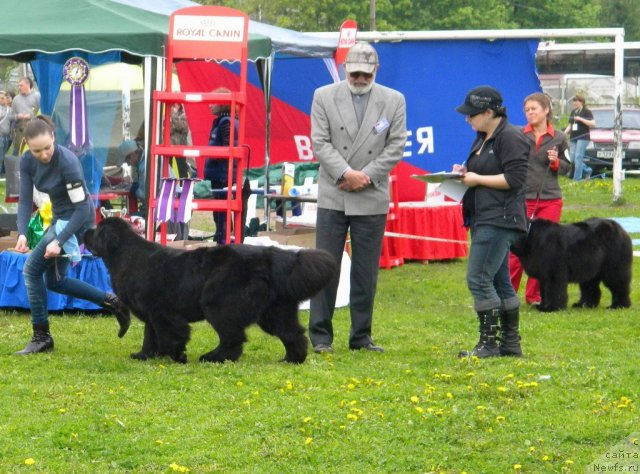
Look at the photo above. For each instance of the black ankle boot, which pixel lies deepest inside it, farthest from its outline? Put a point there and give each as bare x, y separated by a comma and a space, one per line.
40, 342
510, 335
486, 346
112, 303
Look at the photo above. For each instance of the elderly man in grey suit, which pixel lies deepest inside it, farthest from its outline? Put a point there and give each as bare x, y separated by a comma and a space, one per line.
358, 132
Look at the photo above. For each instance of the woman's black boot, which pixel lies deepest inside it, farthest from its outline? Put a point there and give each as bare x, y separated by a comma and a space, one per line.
40, 342
510, 333
486, 346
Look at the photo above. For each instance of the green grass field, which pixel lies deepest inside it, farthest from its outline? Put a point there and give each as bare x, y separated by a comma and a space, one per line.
571, 400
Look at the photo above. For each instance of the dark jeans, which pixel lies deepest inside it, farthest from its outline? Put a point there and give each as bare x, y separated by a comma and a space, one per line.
488, 277
42, 273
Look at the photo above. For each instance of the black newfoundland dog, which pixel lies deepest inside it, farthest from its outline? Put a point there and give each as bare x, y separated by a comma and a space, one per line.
232, 287
586, 252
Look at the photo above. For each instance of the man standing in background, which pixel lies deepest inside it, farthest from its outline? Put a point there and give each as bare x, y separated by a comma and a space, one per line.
25, 106
580, 121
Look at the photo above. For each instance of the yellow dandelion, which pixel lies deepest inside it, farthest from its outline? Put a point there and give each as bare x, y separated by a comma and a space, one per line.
509, 376
176, 467
239, 383
307, 419
352, 417
449, 395
545, 458
74, 435
29, 461
517, 467
308, 441
419, 409
502, 389
568, 462
414, 399
62, 411
159, 441
289, 385
381, 415
407, 371
500, 418
481, 408
351, 386
532, 449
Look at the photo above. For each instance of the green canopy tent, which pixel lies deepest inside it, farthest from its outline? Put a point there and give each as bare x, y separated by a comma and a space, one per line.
46, 34
96, 26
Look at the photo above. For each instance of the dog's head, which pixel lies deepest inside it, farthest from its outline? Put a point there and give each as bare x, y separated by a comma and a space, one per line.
535, 235
110, 235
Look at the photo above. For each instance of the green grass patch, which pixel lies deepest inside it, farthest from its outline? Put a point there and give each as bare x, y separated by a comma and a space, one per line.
88, 408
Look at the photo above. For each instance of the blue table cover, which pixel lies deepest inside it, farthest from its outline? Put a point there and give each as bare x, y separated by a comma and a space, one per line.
13, 293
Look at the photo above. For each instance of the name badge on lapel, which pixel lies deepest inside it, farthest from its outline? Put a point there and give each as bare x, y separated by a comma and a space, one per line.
381, 126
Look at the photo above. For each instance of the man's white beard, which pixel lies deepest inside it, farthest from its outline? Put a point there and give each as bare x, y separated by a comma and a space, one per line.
360, 90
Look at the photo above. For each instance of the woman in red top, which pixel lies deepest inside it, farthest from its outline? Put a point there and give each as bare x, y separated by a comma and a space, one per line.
548, 157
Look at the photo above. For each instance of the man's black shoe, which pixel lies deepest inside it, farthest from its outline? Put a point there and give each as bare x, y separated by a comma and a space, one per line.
368, 347
322, 349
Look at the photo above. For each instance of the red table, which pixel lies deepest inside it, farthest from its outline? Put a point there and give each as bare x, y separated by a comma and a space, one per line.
441, 221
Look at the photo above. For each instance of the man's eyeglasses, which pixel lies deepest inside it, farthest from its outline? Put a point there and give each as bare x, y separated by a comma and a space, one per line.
357, 74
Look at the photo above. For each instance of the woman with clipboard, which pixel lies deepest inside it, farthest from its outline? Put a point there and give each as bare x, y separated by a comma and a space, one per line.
494, 210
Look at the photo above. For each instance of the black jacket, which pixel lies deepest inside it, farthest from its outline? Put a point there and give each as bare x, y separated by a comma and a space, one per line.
505, 152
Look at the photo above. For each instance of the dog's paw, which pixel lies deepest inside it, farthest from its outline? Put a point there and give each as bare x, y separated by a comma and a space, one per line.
584, 304
546, 309
180, 358
142, 355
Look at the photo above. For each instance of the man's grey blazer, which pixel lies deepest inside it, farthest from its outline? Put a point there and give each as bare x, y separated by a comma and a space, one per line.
374, 148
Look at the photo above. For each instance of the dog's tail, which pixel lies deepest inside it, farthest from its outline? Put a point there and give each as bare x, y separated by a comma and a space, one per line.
300, 275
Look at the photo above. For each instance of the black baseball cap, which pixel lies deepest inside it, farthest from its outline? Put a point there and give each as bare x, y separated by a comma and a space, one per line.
480, 99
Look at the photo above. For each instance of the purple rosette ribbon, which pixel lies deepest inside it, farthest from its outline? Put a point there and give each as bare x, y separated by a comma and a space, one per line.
76, 72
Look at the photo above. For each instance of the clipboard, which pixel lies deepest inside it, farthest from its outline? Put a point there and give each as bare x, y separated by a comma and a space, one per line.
437, 177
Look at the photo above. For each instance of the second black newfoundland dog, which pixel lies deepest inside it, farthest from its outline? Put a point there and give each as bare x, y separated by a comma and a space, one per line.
587, 252
231, 287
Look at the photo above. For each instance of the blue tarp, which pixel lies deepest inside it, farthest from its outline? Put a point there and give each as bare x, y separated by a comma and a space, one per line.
434, 77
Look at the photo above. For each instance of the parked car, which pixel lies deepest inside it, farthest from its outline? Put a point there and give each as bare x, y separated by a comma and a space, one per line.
599, 154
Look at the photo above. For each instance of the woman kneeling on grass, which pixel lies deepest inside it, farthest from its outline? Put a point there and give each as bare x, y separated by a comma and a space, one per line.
494, 210
55, 170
